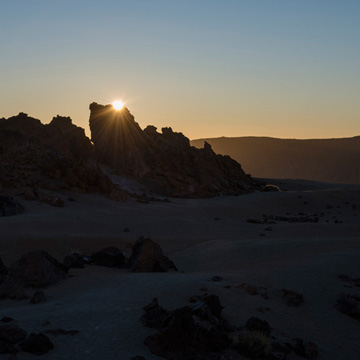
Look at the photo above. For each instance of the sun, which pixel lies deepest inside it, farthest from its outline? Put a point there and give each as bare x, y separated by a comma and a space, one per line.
118, 105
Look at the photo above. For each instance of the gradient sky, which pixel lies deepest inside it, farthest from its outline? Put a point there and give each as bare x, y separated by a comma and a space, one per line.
282, 68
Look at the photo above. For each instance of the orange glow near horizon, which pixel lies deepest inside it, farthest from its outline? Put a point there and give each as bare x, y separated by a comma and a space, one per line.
118, 105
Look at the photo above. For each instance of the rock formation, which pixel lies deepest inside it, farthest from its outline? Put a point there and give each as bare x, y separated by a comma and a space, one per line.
164, 161
56, 156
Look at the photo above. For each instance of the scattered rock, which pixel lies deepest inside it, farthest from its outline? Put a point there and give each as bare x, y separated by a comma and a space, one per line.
3, 269
155, 315
292, 298
12, 333
75, 260
38, 344
38, 297
147, 256
6, 319
7, 348
349, 305
248, 289
355, 281
29, 194
308, 350
110, 257
254, 345
57, 332
256, 324
216, 278
37, 269
10, 206
271, 188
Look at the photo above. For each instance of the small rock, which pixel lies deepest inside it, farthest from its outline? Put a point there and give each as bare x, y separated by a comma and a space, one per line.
75, 260
38, 297
37, 344
29, 194
3, 269
12, 333
292, 298
349, 305
7, 348
256, 324
57, 332
7, 319
110, 257
155, 315
248, 289
216, 278
147, 256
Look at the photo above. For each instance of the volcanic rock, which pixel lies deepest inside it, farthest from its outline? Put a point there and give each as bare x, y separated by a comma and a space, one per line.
9, 206
38, 297
75, 260
37, 269
3, 269
56, 156
349, 305
147, 256
155, 315
12, 333
191, 332
165, 161
37, 344
110, 256
256, 324
292, 298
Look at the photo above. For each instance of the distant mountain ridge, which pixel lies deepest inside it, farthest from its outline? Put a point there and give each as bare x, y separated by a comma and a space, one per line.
334, 160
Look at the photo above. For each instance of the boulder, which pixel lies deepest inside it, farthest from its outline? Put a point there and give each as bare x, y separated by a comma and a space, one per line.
191, 332
12, 333
349, 305
147, 256
110, 256
155, 315
38, 344
37, 269
256, 324
7, 348
38, 297
9, 206
3, 269
292, 298
76, 260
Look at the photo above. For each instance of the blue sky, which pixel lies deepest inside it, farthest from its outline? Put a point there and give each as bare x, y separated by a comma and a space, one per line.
286, 68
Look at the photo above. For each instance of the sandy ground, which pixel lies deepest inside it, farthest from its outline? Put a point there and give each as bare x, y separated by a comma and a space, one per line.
204, 237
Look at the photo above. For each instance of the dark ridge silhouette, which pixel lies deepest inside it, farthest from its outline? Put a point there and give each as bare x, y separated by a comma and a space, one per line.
326, 160
165, 161
56, 156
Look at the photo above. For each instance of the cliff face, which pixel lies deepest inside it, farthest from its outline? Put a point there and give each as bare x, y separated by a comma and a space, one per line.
54, 156
164, 161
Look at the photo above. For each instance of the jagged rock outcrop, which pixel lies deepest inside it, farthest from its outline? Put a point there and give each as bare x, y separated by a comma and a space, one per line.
164, 161
56, 156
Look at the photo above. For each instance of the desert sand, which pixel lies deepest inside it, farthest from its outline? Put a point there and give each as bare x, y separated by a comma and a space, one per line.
204, 237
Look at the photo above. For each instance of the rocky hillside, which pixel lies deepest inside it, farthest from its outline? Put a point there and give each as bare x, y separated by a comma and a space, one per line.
164, 161
327, 160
